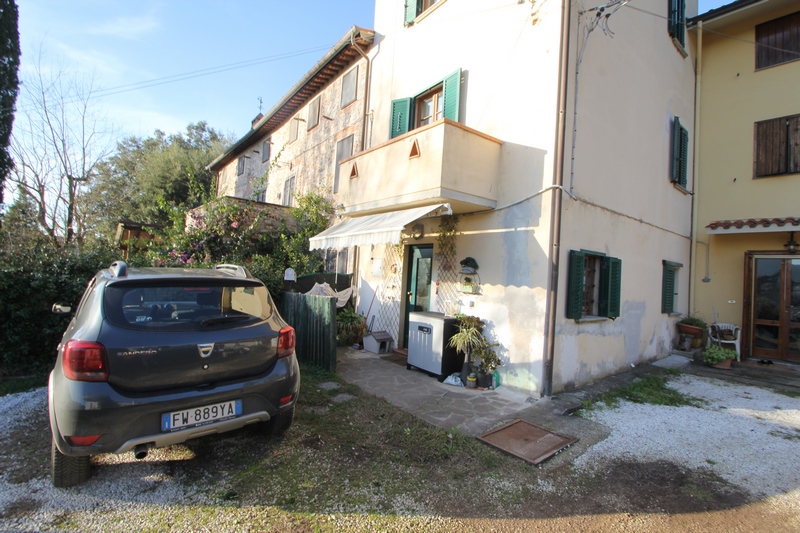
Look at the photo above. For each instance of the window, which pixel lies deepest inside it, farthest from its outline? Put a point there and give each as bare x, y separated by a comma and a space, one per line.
288, 191
415, 7
680, 153
240, 165
313, 114
344, 149
349, 87
441, 100
261, 196
594, 285
777, 146
293, 129
669, 287
778, 41
265, 149
677, 20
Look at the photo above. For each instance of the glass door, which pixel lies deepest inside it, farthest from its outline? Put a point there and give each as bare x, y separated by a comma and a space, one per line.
418, 282
776, 308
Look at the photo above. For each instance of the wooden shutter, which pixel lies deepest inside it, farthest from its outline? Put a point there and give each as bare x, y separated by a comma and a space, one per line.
770, 147
668, 294
412, 10
577, 261
677, 20
793, 138
680, 153
610, 287
452, 95
401, 117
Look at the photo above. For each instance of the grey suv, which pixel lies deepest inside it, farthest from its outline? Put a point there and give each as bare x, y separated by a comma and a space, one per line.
158, 356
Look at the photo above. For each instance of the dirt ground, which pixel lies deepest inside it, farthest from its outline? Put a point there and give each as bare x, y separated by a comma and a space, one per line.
620, 496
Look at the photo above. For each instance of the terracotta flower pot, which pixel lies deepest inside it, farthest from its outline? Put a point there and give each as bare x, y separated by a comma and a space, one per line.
726, 364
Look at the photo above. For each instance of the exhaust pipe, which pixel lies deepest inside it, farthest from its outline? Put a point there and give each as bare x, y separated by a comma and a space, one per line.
140, 451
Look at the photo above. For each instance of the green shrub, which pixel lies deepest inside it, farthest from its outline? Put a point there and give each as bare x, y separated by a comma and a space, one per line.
716, 354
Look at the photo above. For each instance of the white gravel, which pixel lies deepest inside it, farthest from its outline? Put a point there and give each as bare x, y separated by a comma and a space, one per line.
746, 435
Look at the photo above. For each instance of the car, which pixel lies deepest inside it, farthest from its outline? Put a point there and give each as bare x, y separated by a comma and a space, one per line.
156, 356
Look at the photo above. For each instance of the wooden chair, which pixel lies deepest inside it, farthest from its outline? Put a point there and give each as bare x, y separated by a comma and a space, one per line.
724, 334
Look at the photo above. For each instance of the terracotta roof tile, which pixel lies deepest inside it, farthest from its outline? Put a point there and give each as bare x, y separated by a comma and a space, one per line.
755, 223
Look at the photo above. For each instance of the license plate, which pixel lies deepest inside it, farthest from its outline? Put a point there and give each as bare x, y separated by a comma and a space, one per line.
199, 416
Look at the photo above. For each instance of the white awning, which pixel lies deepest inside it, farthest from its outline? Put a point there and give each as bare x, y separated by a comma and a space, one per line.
373, 229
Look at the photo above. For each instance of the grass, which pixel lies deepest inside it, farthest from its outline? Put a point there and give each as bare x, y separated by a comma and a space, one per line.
23, 384
651, 389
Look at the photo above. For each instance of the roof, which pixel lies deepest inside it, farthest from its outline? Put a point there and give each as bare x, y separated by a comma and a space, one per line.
338, 58
737, 11
754, 225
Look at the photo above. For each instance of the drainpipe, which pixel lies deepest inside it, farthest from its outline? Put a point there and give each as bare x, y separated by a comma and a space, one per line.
698, 84
366, 90
555, 211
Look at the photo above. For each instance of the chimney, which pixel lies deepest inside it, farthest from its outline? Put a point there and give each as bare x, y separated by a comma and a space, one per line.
255, 120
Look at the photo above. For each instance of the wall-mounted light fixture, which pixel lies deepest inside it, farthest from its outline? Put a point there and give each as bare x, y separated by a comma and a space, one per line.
791, 245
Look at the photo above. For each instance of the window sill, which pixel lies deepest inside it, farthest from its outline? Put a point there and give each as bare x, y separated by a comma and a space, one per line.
591, 319
681, 188
427, 12
680, 48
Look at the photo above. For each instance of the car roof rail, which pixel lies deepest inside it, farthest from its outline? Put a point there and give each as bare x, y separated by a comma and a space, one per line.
119, 269
240, 271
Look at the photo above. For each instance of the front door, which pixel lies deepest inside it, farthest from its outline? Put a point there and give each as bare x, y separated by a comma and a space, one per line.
775, 322
418, 282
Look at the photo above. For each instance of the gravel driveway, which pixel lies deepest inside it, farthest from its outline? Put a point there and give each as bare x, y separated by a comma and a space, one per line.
747, 436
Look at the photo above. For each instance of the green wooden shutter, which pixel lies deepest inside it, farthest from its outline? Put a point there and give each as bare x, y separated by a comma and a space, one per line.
668, 293
677, 20
610, 287
401, 117
412, 10
680, 153
452, 95
575, 284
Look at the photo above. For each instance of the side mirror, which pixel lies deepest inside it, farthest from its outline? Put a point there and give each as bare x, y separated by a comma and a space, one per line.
62, 308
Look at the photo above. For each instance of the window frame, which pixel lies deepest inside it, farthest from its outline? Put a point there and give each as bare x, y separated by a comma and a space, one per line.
669, 287
312, 116
349, 80
415, 8
680, 154
773, 46
608, 279
240, 165
340, 156
776, 147
288, 191
266, 148
405, 110
294, 129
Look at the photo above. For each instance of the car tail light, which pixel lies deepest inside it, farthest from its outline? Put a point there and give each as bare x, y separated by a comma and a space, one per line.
85, 361
286, 342
87, 440
286, 400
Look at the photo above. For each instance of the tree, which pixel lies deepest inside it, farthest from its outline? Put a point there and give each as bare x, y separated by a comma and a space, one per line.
9, 82
57, 144
146, 178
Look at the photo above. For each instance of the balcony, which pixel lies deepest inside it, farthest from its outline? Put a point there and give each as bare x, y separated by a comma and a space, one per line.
443, 162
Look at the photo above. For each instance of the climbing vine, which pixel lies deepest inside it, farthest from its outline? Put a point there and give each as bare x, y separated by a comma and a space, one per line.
448, 225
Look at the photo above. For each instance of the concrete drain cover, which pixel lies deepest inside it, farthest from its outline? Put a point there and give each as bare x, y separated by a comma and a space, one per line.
527, 441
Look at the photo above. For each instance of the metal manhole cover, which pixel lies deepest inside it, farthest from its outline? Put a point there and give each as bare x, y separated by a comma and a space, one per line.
527, 441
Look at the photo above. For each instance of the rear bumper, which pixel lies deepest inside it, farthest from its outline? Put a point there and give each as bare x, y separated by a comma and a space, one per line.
125, 420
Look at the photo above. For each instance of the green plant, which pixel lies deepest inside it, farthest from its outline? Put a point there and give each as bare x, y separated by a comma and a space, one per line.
716, 354
486, 357
691, 320
447, 236
469, 340
349, 327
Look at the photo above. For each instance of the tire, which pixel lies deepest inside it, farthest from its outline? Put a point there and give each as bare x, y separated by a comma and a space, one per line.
279, 423
67, 471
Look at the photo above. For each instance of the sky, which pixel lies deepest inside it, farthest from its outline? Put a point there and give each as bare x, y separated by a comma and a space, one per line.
163, 64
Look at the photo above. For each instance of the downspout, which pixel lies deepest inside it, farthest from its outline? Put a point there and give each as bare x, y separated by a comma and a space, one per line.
366, 90
698, 84
556, 201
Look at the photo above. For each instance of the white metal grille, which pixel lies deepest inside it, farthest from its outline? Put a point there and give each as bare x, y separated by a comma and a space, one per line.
387, 316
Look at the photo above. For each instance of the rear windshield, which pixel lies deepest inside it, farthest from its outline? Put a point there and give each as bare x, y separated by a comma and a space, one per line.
185, 307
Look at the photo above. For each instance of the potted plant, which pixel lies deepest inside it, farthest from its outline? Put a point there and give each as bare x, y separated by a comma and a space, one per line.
467, 339
487, 361
718, 357
467, 284
349, 327
694, 327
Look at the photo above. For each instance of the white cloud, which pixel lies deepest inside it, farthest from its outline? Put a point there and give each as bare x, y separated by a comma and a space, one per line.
126, 27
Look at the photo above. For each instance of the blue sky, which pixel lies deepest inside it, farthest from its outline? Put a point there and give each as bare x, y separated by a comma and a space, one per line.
125, 45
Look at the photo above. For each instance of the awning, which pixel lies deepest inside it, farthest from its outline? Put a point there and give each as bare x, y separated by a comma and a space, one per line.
373, 229
753, 225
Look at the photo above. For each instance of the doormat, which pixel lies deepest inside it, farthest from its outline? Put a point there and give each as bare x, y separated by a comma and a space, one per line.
395, 358
527, 441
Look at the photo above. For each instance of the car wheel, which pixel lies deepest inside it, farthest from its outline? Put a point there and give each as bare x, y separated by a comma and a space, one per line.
279, 423
65, 470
